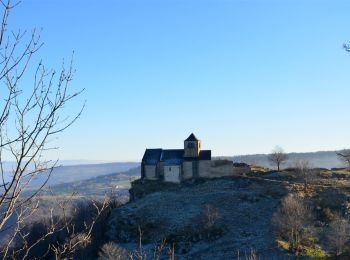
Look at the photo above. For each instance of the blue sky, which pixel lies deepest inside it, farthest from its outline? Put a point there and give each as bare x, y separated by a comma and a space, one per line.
244, 76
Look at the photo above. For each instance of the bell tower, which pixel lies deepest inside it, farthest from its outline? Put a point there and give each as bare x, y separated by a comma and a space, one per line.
192, 147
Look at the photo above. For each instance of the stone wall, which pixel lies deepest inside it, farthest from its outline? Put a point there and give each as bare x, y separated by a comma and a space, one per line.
215, 168
187, 170
241, 170
172, 173
150, 172
160, 170
206, 169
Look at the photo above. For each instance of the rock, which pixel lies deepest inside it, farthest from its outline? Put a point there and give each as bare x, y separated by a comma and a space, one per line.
244, 210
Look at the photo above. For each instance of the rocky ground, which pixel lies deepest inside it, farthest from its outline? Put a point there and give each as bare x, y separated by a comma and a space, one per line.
245, 207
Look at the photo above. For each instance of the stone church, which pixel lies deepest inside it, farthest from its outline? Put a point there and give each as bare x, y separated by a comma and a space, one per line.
176, 165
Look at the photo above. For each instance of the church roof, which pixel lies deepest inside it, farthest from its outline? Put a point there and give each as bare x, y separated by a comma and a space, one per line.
172, 157
152, 156
192, 137
204, 155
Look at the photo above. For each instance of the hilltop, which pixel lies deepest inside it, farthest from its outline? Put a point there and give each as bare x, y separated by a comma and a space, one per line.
221, 218
175, 212
98, 178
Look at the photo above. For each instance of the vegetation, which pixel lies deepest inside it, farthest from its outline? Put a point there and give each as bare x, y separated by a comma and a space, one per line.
309, 222
33, 112
344, 156
76, 234
304, 170
293, 221
338, 234
311, 205
96, 187
278, 157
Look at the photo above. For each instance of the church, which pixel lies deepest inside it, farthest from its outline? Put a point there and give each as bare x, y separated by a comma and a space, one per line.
177, 165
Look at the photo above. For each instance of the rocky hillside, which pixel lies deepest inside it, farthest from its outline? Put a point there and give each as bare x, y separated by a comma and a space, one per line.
213, 219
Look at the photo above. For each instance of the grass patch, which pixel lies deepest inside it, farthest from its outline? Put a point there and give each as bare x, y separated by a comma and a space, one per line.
326, 174
283, 245
258, 169
314, 252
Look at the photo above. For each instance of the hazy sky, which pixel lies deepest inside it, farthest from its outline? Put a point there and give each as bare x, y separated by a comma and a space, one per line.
244, 76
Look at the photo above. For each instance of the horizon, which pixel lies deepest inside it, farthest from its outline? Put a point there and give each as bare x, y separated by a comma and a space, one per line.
214, 156
244, 76
76, 162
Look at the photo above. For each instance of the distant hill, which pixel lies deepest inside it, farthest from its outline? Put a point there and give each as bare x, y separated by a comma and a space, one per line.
74, 173
323, 159
118, 183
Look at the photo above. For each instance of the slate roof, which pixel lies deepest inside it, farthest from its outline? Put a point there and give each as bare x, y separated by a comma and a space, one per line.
192, 137
204, 155
152, 156
172, 157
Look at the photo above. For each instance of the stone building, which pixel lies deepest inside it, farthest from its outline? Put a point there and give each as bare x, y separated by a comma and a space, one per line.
176, 165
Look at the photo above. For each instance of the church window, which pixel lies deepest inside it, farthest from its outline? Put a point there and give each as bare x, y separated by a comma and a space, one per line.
190, 145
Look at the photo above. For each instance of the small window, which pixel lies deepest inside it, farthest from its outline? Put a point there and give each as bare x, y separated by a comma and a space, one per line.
190, 145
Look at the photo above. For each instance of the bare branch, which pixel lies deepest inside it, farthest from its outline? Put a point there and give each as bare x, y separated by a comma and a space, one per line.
278, 157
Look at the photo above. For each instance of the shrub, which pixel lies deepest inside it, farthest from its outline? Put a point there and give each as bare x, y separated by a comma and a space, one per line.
111, 251
208, 224
327, 215
331, 198
76, 235
292, 221
283, 244
209, 217
338, 234
315, 252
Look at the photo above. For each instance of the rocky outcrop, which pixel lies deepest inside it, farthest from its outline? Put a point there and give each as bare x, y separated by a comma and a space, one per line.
175, 213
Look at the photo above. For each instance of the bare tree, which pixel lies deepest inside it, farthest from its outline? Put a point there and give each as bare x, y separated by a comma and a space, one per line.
304, 170
111, 251
338, 233
210, 216
344, 156
59, 234
278, 157
33, 101
292, 220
